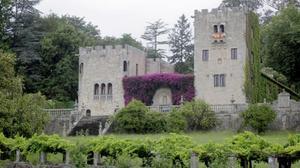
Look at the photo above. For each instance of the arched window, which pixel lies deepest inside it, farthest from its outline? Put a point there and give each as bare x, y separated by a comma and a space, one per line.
102, 89
222, 28
125, 66
215, 28
109, 89
96, 89
88, 113
81, 68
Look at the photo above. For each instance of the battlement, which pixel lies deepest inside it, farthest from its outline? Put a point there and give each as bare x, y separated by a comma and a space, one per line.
216, 11
107, 48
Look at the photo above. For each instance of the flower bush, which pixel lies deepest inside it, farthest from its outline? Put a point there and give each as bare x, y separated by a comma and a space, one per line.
144, 87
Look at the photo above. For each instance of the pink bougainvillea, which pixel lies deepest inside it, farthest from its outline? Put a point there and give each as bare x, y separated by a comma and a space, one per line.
144, 87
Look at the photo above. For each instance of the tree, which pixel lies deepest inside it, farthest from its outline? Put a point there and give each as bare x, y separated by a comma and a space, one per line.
199, 115
152, 34
124, 39
19, 114
5, 6
281, 40
181, 46
258, 117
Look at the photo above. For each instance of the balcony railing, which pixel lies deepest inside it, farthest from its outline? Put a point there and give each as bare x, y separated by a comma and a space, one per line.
103, 97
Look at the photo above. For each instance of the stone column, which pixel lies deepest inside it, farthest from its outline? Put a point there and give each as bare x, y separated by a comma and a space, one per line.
43, 157
64, 134
18, 155
96, 158
67, 157
194, 161
272, 161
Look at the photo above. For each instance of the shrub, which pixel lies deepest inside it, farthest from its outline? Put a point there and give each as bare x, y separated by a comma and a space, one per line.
199, 115
176, 122
155, 122
258, 117
131, 118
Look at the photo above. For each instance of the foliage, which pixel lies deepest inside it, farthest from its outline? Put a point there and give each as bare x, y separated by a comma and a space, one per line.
199, 115
258, 117
124, 39
281, 40
152, 34
181, 46
248, 146
275, 75
251, 4
211, 152
176, 122
256, 87
144, 87
47, 143
131, 118
155, 122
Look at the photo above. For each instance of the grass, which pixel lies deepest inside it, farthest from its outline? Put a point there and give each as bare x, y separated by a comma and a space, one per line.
198, 137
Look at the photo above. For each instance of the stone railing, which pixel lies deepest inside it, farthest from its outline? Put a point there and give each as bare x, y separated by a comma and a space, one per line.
219, 108
58, 113
229, 108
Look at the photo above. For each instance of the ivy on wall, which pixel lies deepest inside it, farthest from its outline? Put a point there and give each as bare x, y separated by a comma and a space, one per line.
144, 87
256, 87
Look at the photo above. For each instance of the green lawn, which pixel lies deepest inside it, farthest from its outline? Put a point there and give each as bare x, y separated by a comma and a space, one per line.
198, 137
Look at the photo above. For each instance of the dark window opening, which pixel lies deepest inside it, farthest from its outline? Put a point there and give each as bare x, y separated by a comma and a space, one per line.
81, 68
222, 28
205, 55
109, 89
215, 29
234, 53
88, 113
102, 89
125, 66
96, 89
219, 80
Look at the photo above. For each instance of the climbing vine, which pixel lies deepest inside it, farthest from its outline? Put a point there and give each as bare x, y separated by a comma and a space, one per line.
143, 88
256, 87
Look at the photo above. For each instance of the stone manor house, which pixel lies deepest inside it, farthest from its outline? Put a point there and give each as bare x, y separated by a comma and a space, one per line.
224, 61
220, 57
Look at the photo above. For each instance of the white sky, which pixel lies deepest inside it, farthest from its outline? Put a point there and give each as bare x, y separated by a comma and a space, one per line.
115, 17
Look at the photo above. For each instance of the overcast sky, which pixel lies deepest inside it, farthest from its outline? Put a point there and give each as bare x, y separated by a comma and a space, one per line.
115, 17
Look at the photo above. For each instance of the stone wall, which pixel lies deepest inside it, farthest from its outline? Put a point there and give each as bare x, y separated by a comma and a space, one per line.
287, 114
105, 65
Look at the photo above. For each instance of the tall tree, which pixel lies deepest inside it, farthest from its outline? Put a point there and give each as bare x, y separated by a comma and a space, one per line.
154, 31
5, 12
181, 46
281, 39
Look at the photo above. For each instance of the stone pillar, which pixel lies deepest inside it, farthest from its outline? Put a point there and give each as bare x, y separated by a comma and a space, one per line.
18, 155
67, 157
194, 161
64, 134
284, 100
272, 161
96, 158
43, 157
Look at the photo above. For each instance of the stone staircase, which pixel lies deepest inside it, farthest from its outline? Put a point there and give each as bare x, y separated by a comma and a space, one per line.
94, 125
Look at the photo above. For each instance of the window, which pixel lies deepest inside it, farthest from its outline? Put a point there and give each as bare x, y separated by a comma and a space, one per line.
88, 113
109, 89
222, 28
125, 66
81, 68
219, 80
234, 53
102, 89
136, 69
205, 55
215, 28
216, 80
96, 89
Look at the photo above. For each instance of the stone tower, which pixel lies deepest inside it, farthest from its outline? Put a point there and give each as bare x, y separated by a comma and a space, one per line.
221, 52
101, 70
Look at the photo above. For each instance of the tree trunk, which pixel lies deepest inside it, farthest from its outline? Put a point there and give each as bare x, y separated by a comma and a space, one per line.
244, 163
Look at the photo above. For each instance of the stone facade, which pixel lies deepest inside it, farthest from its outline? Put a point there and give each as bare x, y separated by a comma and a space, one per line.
220, 55
101, 70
